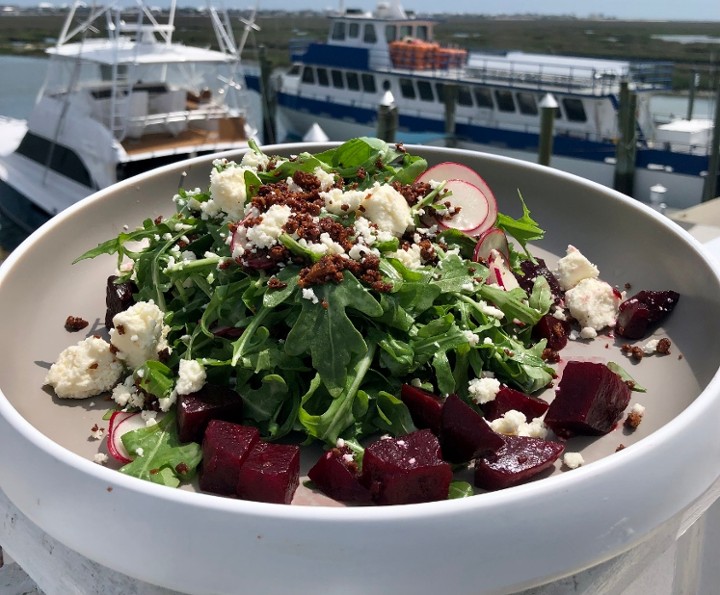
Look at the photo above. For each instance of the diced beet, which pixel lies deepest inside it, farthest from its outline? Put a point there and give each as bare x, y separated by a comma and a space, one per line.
195, 410
271, 473
520, 458
424, 406
336, 474
225, 448
532, 270
553, 329
118, 298
644, 309
589, 400
464, 434
508, 398
406, 470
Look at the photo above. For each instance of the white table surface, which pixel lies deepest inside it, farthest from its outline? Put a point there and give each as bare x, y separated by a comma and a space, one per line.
680, 558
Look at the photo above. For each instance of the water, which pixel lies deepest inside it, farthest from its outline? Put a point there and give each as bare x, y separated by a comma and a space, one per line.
22, 79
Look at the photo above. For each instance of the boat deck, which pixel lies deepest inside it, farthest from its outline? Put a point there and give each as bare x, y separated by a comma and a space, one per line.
230, 131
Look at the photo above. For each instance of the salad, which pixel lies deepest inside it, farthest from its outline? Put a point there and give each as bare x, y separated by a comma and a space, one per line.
316, 287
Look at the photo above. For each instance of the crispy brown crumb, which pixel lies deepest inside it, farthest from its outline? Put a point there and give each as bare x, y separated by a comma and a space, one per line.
75, 323
619, 447
633, 419
663, 346
633, 351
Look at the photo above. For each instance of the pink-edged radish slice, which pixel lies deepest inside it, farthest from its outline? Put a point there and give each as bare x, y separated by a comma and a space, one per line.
491, 239
500, 272
120, 423
475, 212
449, 170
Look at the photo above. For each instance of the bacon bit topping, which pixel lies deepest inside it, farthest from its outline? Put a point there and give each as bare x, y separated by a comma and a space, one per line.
663, 346
75, 323
120, 329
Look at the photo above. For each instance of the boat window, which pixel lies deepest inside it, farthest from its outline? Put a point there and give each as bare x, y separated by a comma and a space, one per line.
405, 31
464, 97
504, 100
390, 33
574, 110
369, 35
368, 83
58, 158
406, 89
421, 32
483, 97
338, 30
354, 30
353, 81
308, 76
337, 79
440, 91
294, 70
425, 91
527, 104
322, 77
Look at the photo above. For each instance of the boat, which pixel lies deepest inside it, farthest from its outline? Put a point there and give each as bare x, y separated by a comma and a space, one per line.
120, 97
492, 102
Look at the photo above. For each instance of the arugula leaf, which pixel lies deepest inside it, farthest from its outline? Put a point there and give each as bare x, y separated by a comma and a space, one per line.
164, 459
524, 230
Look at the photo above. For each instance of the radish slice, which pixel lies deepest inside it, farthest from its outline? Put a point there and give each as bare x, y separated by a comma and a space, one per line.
500, 272
491, 239
454, 171
476, 212
120, 423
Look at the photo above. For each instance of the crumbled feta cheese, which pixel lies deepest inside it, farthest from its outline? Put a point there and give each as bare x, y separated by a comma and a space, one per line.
588, 332
339, 202
573, 268
228, 191
638, 409
191, 377
593, 303
84, 370
651, 346
326, 179
509, 423
139, 333
573, 460
149, 417
309, 294
472, 338
411, 257
483, 390
388, 209
265, 233
255, 160
535, 429
140, 451
100, 458
491, 311
126, 394
97, 433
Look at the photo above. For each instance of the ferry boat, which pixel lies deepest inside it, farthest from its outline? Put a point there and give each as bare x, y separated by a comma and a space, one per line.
488, 102
120, 97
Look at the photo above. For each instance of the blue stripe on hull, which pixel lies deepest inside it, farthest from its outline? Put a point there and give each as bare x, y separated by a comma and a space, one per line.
563, 146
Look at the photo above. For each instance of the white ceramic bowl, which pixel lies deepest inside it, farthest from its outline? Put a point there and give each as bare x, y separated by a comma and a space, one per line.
490, 543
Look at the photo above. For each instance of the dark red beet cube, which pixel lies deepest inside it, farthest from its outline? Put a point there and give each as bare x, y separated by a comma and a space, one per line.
118, 298
336, 474
520, 458
508, 398
464, 433
424, 406
271, 473
406, 470
553, 329
194, 411
646, 308
225, 448
531, 270
589, 400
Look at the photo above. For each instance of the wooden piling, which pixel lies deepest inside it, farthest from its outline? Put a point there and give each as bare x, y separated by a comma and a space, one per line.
626, 148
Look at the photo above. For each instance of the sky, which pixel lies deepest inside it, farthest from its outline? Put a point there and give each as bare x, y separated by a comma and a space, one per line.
693, 10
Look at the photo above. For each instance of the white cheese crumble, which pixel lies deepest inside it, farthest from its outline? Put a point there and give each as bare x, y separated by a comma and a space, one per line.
651, 346
191, 377
593, 303
84, 370
100, 458
573, 268
472, 338
339, 202
483, 390
509, 423
228, 191
410, 258
126, 394
265, 233
309, 294
388, 209
638, 409
140, 333
573, 460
